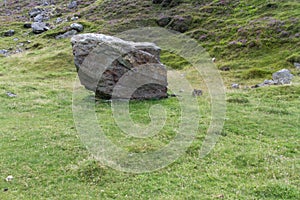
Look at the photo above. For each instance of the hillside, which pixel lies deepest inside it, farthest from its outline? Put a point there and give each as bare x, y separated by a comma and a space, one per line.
257, 154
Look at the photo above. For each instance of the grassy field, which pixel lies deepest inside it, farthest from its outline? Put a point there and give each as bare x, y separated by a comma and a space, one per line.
257, 155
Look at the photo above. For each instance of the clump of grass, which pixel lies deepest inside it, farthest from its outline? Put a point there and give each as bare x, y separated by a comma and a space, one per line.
255, 73
294, 58
174, 61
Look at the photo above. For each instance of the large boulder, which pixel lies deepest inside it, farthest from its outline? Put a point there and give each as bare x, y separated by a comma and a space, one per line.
115, 68
282, 77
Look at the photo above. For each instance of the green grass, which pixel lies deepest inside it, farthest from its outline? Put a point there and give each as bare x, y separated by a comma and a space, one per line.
256, 157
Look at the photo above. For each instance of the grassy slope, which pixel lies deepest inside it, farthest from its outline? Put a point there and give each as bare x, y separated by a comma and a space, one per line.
257, 156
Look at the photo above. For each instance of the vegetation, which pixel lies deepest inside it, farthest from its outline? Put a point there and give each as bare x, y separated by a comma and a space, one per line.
256, 157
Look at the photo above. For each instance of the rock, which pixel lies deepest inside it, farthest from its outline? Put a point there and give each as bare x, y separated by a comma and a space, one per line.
74, 18
27, 25
72, 5
181, 24
39, 27
67, 34
225, 68
282, 77
34, 12
213, 60
164, 21
297, 65
9, 33
268, 82
77, 27
111, 58
3, 52
235, 86
38, 18
59, 20
9, 178
10, 94
197, 92
16, 39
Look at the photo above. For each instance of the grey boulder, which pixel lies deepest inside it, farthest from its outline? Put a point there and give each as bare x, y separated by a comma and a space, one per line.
115, 68
77, 27
39, 27
67, 34
282, 77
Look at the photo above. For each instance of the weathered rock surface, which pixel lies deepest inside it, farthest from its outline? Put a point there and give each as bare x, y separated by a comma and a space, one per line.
72, 5
9, 33
282, 77
104, 63
34, 12
77, 27
67, 34
39, 27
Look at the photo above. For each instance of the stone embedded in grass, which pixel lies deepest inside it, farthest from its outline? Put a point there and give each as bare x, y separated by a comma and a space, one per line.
77, 27
235, 86
282, 77
3, 52
197, 92
39, 27
10, 94
9, 33
67, 34
72, 5
104, 61
9, 178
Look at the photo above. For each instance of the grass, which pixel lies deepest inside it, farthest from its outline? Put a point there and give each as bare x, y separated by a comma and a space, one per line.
256, 157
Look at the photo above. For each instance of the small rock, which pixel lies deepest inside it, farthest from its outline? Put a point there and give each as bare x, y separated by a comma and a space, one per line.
74, 18
16, 39
34, 12
3, 51
235, 86
297, 65
10, 94
225, 68
38, 18
282, 77
269, 82
39, 27
9, 178
197, 92
9, 33
59, 20
213, 60
27, 25
45, 3
72, 5
67, 34
77, 27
